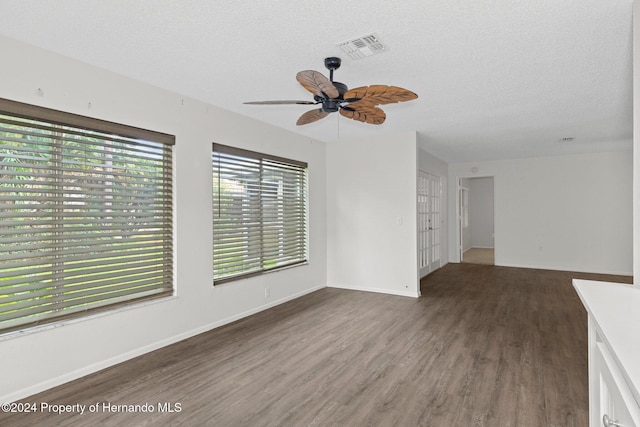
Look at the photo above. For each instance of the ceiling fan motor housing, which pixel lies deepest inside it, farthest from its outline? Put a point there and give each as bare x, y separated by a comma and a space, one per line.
331, 105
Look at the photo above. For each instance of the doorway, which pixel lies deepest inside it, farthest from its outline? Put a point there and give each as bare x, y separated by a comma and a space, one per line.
476, 221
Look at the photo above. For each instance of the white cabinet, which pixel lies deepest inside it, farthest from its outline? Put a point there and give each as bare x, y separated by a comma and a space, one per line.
613, 399
614, 352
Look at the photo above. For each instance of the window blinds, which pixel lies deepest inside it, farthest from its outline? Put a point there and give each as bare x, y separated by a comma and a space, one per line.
259, 213
85, 215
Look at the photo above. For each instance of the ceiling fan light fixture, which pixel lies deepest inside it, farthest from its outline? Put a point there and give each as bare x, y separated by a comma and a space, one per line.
362, 46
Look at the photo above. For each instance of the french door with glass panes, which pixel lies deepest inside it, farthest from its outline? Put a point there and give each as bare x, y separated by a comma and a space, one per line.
429, 222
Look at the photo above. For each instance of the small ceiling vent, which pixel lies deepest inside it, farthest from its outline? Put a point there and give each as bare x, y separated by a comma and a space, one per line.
363, 46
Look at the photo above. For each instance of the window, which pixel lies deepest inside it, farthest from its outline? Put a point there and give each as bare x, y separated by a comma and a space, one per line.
85, 215
259, 213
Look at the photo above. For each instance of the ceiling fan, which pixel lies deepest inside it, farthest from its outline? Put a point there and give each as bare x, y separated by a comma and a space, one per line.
358, 104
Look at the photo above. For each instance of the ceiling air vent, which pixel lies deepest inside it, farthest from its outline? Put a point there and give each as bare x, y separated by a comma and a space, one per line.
363, 46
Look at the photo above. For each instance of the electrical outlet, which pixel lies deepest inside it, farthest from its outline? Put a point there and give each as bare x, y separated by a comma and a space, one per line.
267, 292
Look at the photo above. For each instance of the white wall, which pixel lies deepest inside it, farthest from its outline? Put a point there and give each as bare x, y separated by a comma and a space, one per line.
371, 214
48, 356
481, 212
561, 213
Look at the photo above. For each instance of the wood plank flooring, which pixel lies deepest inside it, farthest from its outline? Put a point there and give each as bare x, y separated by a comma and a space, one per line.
484, 346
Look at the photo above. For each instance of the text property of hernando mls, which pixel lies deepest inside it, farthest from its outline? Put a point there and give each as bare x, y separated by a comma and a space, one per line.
102, 407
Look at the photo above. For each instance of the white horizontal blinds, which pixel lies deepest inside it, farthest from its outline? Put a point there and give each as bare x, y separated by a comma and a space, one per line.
237, 222
259, 212
85, 219
283, 214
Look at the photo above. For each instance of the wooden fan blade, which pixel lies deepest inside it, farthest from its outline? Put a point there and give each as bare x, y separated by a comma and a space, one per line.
380, 94
364, 112
317, 84
281, 102
311, 116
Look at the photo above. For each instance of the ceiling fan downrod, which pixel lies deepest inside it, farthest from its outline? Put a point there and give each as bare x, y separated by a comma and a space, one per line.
331, 105
332, 63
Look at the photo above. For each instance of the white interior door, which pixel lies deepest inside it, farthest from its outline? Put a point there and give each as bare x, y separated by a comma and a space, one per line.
429, 222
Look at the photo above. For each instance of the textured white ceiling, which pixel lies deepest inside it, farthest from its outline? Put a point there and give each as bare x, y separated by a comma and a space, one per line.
495, 78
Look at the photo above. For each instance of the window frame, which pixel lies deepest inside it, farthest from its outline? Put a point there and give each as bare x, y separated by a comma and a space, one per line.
301, 203
106, 133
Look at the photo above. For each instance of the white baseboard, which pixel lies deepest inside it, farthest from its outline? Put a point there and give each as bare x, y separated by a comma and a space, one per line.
569, 269
376, 290
90, 369
478, 247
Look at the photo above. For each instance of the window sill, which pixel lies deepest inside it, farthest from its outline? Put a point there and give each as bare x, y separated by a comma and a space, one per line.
257, 273
65, 322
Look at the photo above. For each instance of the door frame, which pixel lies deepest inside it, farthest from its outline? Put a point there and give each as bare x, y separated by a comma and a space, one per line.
459, 189
461, 197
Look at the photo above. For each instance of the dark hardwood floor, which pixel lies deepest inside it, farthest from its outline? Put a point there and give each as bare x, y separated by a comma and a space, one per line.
484, 346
